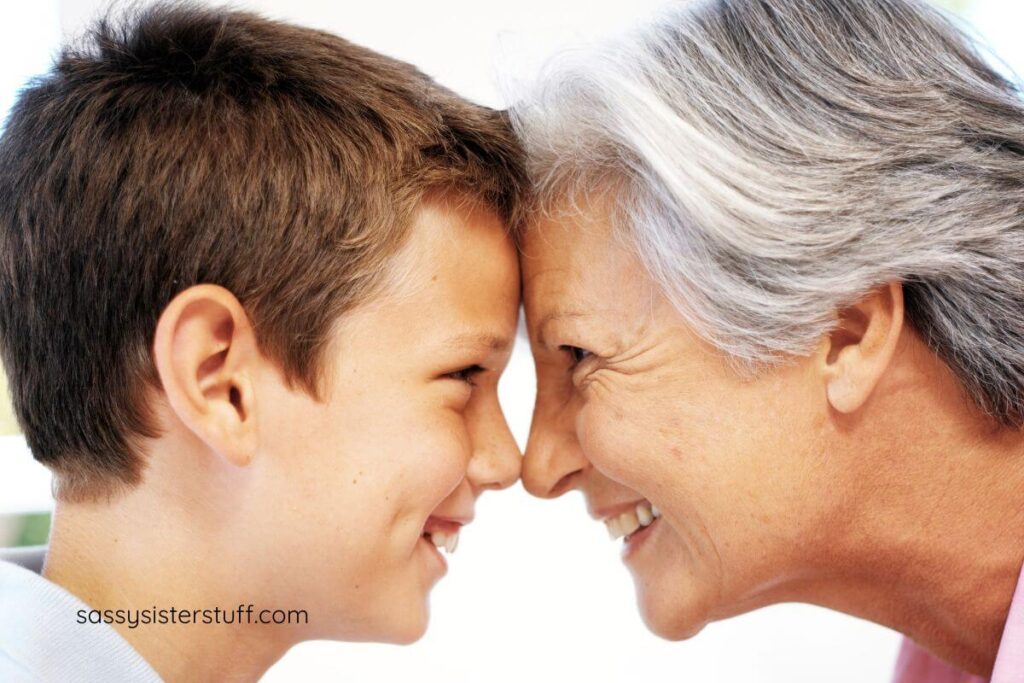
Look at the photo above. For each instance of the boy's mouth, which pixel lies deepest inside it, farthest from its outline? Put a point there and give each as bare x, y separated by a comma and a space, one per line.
443, 533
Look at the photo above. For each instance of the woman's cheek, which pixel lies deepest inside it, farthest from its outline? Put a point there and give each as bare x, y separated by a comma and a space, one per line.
600, 433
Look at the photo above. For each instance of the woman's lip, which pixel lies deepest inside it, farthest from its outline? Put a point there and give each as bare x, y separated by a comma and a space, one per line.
637, 538
609, 511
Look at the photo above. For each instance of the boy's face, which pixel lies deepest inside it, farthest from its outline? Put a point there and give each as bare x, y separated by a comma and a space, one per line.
410, 432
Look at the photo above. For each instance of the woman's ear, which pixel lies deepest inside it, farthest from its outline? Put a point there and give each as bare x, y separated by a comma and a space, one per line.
206, 356
859, 350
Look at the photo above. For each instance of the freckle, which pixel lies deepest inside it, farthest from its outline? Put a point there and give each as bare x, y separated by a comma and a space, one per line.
676, 452
353, 481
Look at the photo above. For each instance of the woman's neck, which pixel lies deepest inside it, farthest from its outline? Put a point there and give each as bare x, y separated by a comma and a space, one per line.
933, 543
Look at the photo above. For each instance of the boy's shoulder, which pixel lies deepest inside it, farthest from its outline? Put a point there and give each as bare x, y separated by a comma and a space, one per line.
30, 557
42, 635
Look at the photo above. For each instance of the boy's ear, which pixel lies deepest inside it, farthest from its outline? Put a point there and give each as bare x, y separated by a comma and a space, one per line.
858, 351
206, 355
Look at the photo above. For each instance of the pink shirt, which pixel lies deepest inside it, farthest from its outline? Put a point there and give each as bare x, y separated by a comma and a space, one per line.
915, 665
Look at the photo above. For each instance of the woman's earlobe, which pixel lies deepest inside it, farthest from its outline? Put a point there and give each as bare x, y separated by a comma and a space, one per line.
861, 347
843, 394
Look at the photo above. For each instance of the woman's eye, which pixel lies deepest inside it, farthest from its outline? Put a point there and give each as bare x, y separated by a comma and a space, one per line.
576, 354
466, 374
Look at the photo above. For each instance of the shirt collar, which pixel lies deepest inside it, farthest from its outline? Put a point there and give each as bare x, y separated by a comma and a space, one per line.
41, 629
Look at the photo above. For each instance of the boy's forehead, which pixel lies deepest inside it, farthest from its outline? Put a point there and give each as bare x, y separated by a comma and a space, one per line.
452, 246
455, 280
498, 341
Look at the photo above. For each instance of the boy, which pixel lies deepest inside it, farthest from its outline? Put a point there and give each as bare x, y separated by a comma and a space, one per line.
256, 295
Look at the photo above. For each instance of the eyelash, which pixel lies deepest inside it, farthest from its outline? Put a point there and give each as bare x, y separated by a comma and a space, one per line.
576, 354
467, 374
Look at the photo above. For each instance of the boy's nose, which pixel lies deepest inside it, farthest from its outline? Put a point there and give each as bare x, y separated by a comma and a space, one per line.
496, 462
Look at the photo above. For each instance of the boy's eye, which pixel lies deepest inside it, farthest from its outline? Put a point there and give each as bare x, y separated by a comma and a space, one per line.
576, 354
466, 374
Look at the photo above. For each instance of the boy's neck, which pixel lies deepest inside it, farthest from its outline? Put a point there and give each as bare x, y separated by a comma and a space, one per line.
128, 555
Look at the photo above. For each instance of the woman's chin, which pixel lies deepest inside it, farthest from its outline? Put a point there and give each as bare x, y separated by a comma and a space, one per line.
676, 619
671, 601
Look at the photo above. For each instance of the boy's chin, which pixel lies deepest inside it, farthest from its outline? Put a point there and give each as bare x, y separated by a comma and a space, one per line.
403, 624
406, 623
413, 627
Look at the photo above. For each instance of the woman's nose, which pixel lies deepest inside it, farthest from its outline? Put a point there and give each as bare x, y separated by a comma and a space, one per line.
496, 461
553, 456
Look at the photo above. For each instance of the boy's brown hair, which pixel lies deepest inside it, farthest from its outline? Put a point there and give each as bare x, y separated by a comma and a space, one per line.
183, 145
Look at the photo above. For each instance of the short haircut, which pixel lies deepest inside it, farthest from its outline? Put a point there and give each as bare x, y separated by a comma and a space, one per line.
177, 145
773, 161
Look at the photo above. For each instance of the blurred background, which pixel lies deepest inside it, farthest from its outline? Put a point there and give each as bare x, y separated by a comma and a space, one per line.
537, 591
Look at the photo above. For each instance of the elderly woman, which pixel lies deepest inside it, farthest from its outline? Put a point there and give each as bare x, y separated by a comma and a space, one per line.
775, 291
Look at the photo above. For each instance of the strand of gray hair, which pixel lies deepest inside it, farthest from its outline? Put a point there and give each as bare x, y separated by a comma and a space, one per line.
773, 161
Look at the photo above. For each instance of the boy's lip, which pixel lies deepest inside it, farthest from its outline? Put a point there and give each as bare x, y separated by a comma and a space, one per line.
443, 532
448, 525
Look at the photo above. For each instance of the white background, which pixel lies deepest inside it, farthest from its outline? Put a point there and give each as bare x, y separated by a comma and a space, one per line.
536, 591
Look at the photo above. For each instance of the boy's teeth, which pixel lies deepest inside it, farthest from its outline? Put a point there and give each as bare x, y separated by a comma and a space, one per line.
441, 539
642, 515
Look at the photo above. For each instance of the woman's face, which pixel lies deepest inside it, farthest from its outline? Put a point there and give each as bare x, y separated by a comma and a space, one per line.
365, 483
633, 409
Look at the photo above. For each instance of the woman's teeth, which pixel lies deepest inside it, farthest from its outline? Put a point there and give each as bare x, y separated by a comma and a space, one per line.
628, 522
444, 540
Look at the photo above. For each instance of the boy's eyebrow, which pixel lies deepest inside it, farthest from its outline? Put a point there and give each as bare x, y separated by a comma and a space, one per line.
487, 340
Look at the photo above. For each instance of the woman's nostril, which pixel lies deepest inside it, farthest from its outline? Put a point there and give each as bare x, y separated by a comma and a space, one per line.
564, 484
547, 485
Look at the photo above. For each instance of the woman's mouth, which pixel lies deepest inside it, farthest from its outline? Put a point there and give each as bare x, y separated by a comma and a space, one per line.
632, 521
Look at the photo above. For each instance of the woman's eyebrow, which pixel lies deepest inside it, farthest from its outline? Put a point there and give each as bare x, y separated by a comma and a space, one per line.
555, 316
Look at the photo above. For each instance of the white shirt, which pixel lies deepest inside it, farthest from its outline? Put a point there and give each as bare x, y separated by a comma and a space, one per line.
41, 639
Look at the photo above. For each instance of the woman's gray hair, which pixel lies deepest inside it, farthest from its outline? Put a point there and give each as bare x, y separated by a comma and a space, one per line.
773, 161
